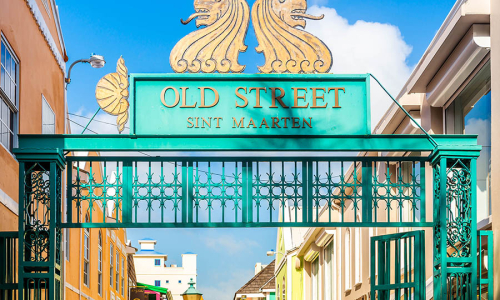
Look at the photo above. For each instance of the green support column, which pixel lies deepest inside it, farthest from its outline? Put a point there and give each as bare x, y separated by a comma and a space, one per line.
455, 230
40, 196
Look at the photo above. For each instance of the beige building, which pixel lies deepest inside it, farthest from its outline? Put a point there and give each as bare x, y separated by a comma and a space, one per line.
454, 89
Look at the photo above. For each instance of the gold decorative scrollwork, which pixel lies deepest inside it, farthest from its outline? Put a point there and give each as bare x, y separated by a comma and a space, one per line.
286, 48
112, 94
216, 47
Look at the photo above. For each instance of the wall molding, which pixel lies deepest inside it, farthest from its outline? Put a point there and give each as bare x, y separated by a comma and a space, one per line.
37, 15
12, 205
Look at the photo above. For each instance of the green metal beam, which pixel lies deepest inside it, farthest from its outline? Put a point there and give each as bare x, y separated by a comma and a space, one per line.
250, 225
389, 143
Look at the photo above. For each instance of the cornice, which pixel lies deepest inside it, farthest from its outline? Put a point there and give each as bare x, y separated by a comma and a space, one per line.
37, 15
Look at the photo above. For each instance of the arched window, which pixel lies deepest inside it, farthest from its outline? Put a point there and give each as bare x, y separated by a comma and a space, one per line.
99, 264
347, 256
357, 253
86, 253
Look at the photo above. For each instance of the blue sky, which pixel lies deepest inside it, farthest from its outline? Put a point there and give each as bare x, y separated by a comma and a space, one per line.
390, 36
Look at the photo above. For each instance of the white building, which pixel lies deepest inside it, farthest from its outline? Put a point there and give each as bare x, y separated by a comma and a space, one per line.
151, 268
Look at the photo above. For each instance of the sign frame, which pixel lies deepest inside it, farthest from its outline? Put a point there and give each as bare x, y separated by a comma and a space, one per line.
265, 78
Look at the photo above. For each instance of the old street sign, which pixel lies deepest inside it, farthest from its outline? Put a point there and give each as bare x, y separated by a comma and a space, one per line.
240, 104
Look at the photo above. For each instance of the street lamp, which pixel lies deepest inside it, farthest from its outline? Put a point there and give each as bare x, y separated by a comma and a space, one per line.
191, 293
96, 61
273, 253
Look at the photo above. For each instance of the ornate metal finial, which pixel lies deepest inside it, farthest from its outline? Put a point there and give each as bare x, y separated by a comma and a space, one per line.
112, 94
286, 48
216, 47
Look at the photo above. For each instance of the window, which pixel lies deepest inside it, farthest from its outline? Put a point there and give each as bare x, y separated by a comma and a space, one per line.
180, 281
168, 281
470, 113
111, 269
329, 272
123, 277
66, 249
9, 96
315, 280
99, 264
357, 253
347, 255
157, 283
86, 253
48, 118
157, 262
117, 266
283, 289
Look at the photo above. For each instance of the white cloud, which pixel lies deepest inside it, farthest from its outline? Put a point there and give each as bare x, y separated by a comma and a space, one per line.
365, 47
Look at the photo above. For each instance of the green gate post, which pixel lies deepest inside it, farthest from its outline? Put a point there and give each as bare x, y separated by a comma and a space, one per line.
455, 219
40, 196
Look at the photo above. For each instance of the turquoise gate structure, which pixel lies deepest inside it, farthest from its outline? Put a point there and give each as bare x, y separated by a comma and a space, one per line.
254, 178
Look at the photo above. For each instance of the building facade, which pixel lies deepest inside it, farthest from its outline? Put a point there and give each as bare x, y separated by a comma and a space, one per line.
32, 88
151, 269
261, 286
96, 260
33, 101
451, 91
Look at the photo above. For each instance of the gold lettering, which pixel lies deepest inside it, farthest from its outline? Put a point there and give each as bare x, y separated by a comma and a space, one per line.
275, 122
337, 104
209, 124
184, 105
316, 97
304, 123
218, 119
164, 91
277, 98
285, 119
197, 123
241, 96
202, 89
241, 124
297, 97
264, 122
295, 122
190, 121
257, 96
251, 123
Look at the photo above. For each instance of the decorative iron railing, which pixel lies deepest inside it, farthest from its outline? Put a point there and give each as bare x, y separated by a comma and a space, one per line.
246, 192
485, 265
8, 265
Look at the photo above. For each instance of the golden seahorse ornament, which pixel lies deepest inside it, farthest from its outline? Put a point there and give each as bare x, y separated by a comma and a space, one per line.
216, 47
112, 94
286, 48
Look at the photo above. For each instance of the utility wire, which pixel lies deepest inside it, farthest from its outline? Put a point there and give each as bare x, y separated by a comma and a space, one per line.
104, 122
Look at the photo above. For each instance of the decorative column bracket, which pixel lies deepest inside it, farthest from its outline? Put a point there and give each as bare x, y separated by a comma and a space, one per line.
40, 196
455, 219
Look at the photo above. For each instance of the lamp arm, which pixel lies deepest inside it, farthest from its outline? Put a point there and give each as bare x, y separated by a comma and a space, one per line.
68, 79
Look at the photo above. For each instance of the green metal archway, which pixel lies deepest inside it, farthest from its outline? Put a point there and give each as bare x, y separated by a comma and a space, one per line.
247, 191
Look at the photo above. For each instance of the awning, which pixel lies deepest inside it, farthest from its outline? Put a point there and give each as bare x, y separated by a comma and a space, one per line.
153, 288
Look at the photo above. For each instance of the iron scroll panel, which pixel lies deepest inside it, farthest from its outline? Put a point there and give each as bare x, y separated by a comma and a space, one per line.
246, 192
